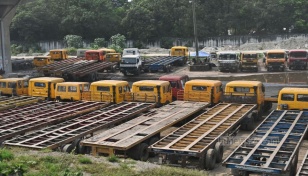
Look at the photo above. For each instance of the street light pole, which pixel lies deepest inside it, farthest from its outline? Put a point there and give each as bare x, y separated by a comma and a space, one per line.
195, 27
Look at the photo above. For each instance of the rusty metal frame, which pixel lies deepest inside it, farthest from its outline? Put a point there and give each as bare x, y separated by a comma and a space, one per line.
203, 131
24, 119
68, 131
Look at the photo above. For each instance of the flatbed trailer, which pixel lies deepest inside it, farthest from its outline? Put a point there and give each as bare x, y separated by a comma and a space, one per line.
199, 142
303, 169
90, 71
60, 72
48, 69
273, 148
83, 70
13, 102
67, 135
164, 63
133, 137
35, 116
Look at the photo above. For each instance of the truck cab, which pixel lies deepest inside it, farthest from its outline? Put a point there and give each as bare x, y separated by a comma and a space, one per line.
275, 60
40, 61
131, 64
99, 55
155, 91
202, 91
131, 51
14, 86
110, 91
180, 51
44, 87
58, 54
71, 91
247, 92
81, 53
228, 61
293, 98
114, 57
249, 61
177, 83
297, 59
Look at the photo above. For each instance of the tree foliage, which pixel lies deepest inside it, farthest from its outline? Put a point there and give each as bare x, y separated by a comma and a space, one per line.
149, 20
118, 42
73, 41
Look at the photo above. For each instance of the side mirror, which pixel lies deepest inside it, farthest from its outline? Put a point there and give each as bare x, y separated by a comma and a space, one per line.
137, 60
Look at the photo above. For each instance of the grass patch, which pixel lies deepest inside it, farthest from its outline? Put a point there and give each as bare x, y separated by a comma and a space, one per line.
6, 155
62, 164
173, 171
85, 160
113, 159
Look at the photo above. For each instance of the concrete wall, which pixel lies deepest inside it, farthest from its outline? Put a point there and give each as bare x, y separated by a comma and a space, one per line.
208, 42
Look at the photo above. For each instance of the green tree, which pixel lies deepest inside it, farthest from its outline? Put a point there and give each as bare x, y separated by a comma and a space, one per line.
118, 42
73, 41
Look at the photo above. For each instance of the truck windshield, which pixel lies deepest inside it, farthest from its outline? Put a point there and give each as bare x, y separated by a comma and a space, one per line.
298, 54
249, 56
128, 60
275, 55
227, 57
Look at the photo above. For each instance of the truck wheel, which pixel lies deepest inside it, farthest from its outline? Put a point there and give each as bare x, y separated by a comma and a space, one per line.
173, 159
219, 152
138, 71
248, 124
152, 141
143, 152
210, 159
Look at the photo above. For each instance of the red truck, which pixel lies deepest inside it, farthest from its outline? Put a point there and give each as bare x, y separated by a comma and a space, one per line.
297, 59
177, 83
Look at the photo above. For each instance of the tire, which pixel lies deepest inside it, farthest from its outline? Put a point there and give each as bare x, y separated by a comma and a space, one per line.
79, 148
219, 149
143, 152
68, 148
248, 124
210, 159
173, 159
58, 99
152, 141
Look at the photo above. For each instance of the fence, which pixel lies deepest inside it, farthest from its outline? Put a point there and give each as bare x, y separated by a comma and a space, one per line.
207, 42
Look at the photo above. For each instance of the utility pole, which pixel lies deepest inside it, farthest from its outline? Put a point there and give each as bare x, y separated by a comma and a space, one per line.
195, 27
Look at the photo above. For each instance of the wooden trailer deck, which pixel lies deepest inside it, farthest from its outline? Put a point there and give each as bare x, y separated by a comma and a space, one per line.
142, 128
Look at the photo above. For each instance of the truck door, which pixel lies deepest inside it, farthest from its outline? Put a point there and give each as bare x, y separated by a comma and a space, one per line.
49, 90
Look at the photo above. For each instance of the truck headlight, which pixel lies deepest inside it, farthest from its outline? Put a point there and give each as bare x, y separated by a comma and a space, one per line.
284, 106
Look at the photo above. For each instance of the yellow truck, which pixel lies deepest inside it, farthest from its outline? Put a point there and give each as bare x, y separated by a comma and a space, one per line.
152, 91
71, 91
58, 54
40, 61
114, 57
115, 91
276, 60
202, 91
293, 98
249, 61
248, 92
44, 87
14, 86
180, 51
